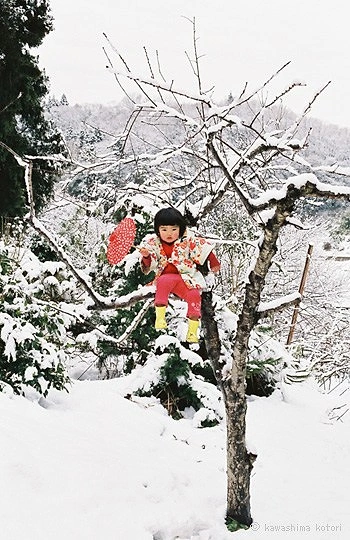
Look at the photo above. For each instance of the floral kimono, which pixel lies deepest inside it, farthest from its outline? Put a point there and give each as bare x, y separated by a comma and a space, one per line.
188, 252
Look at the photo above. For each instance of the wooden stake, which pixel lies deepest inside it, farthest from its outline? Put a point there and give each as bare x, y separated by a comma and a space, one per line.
301, 291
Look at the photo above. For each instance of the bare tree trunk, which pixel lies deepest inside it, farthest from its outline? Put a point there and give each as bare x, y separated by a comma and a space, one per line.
239, 460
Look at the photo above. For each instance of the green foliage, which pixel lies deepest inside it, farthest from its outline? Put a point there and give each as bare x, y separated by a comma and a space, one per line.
5, 264
42, 249
117, 359
169, 376
174, 389
23, 126
234, 526
342, 229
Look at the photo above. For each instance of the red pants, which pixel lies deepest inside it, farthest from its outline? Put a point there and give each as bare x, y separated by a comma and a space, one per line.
173, 283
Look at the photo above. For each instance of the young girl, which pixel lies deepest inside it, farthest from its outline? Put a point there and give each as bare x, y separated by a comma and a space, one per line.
173, 253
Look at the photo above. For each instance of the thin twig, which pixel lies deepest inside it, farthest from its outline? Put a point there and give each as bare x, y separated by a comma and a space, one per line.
11, 102
127, 68
117, 78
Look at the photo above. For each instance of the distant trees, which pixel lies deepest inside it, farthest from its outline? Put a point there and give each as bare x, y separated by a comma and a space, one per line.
23, 126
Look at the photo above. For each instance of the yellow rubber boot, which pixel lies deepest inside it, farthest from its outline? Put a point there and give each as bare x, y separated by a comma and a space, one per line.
192, 332
160, 323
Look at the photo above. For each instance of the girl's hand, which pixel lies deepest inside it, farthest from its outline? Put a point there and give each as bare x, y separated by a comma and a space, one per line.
144, 252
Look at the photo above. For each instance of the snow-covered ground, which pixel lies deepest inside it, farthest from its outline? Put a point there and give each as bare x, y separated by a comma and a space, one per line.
91, 465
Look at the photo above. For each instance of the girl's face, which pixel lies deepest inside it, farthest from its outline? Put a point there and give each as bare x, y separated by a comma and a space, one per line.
169, 233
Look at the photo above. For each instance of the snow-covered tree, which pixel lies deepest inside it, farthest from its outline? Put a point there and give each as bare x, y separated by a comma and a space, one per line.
236, 154
64, 100
33, 337
205, 158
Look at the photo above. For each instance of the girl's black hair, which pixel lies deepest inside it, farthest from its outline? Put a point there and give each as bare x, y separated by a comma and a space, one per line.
169, 216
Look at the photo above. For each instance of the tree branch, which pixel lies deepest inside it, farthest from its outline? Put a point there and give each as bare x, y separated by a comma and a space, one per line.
228, 175
267, 308
306, 184
156, 84
100, 302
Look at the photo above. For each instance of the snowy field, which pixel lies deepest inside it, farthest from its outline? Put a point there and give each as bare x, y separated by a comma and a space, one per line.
91, 465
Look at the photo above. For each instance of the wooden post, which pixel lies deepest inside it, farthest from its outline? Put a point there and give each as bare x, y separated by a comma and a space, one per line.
301, 291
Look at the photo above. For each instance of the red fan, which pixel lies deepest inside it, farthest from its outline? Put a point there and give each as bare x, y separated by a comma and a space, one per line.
121, 240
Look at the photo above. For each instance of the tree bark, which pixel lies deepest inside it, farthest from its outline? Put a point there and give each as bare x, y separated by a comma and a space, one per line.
239, 460
211, 335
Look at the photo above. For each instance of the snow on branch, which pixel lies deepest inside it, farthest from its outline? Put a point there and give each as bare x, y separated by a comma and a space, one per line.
108, 162
308, 108
266, 308
174, 113
307, 184
245, 99
268, 142
136, 321
100, 302
333, 169
128, 300
80, 276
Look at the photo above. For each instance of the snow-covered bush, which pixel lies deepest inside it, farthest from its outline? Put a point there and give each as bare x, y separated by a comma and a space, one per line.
177, 377
33, 332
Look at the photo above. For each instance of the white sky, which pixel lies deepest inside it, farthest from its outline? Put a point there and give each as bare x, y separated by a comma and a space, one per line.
239, 41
